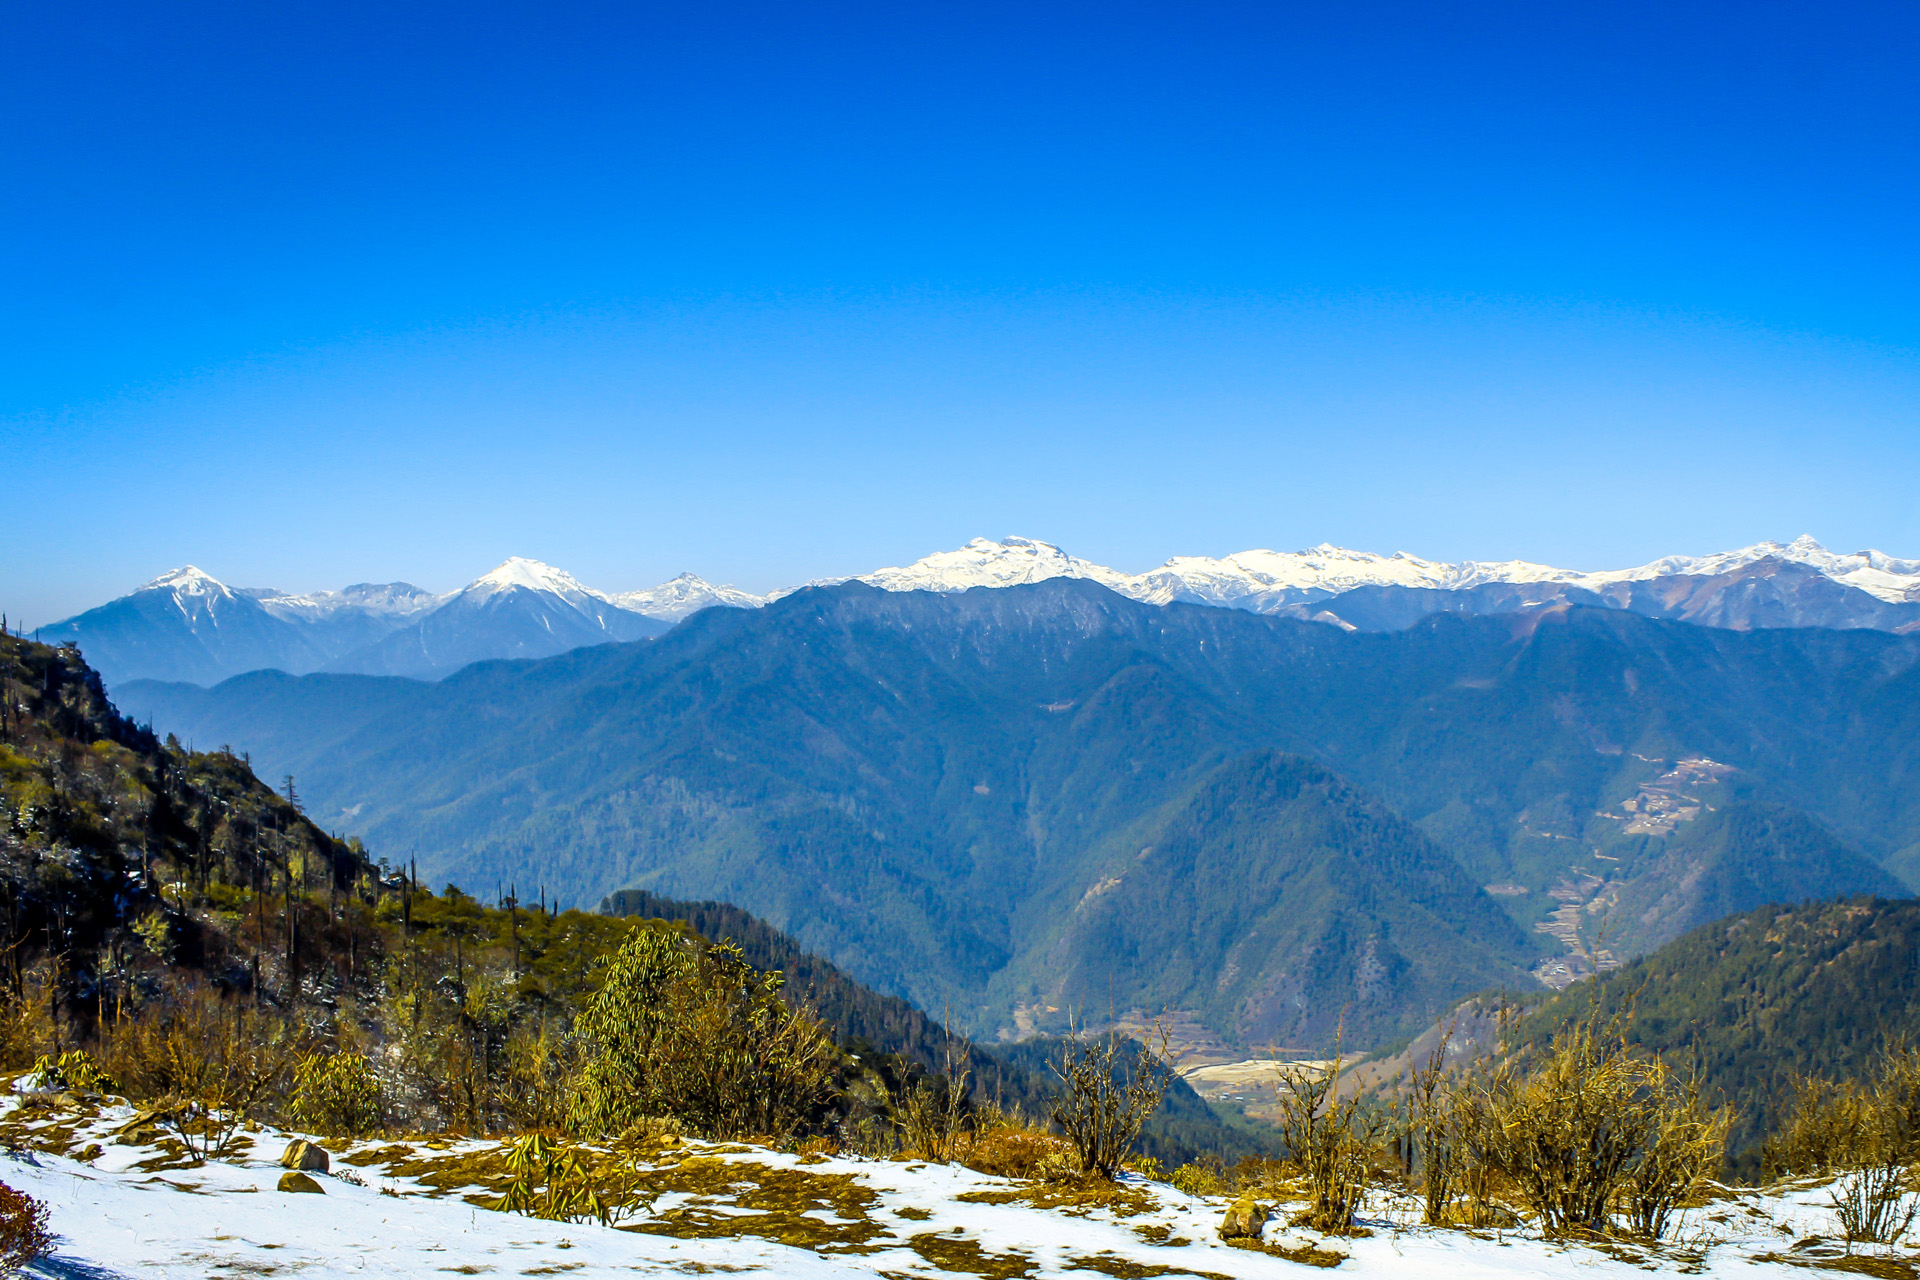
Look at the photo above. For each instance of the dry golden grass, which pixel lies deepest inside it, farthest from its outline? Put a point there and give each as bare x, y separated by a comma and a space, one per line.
1012, 1150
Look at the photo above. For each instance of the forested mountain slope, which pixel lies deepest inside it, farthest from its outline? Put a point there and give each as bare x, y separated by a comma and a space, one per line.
129, 867
1760, 997
1727, 860
940, 793
1017, 1077
96, 813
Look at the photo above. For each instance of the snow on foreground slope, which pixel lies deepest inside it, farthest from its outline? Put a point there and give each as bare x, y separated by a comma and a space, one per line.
124, 1208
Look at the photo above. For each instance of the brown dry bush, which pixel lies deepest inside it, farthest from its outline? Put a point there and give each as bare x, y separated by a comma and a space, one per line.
540, 1067
24, 1234
1331, 1141
202, 1065
1005, 1144
26, 1029
931, 1113
1829, 1127
1852, 1124
1597, 1127
1106, 1094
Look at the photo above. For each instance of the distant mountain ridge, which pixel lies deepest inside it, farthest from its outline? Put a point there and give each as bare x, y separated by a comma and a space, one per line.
1029, 800
1269, 581
186, 625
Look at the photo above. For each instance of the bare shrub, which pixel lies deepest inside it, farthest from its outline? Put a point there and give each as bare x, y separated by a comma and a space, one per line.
1436, 1132
24, 1234
1331, 1141
1686, 1143
1106, 1094
1873, 1206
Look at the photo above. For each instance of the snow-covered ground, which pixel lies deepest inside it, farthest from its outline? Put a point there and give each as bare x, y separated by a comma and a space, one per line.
124, 1208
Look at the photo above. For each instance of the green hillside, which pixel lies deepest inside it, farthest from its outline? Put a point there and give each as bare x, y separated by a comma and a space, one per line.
935, 791
1816, 989
1015, 1076
140, 877
97, 817
1727, 860
1276, 900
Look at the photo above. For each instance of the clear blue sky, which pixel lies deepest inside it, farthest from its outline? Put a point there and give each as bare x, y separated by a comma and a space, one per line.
310, 294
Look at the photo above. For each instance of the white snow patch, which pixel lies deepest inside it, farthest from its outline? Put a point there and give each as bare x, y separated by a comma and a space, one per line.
227, 1218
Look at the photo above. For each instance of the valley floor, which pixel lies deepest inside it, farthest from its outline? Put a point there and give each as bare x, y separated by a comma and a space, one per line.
125, 1208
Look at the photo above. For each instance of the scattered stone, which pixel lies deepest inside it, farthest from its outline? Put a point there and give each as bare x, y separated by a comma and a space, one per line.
294, 1180
1244, 1220
305, 1156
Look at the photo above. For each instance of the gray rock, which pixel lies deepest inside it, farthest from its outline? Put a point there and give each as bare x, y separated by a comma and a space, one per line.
1244, 1220
305, 1156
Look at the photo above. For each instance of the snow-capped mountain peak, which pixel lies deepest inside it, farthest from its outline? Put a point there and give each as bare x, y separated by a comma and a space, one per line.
188, 625
394, 600
686, 594
1245, 576
985, 563
530, 575
188, 580
1874, 572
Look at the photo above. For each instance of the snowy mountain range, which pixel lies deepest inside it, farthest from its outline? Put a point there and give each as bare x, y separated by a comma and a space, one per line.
186, 625
1267, 581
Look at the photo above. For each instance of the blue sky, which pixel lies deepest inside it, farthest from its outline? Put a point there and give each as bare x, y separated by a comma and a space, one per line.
315, 294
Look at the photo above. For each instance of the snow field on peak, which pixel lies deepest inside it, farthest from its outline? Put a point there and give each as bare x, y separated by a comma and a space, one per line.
529, 575
1263, 578
188, 580
125, 1209
984, 563
674, 600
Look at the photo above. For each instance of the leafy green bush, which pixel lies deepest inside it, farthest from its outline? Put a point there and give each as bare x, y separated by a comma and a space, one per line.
693, 1033
1198, 1179
336, 1094
75, 1069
